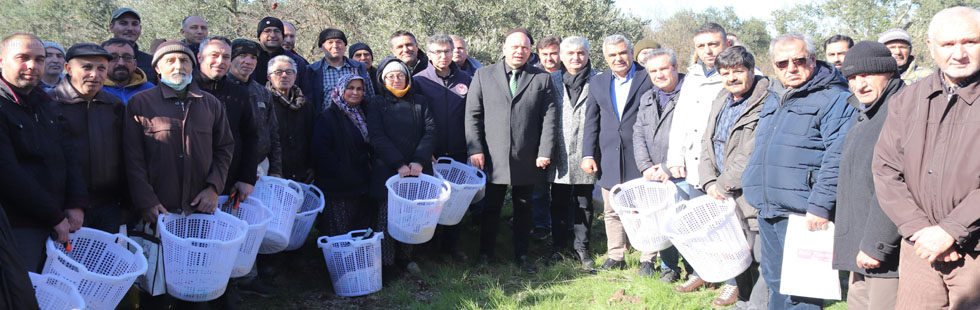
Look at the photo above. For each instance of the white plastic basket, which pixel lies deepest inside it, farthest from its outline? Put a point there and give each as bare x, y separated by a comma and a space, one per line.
258, 217
312, 205
102, 266
282, 197
199, 252
465, 180
642, 207
414, 206
54, 293
709, 235
354, 263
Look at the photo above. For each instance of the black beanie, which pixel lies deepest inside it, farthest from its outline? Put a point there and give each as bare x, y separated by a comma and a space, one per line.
331, 33
868, 57
357, 47
244, 46
269, 22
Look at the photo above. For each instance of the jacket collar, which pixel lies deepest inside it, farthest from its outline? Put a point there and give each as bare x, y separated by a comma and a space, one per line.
969, 90
192, 91
136, 79
66, 93
7, 92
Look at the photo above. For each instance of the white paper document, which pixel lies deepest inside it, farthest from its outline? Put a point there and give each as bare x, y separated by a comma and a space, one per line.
807, 257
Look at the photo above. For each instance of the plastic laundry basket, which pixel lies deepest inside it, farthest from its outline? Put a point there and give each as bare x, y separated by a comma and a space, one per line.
258, 217
312, 205
354, 263
465, 180
709, 235
282, 197
199, 251
642, 207
102, 266
414, 206
54, 293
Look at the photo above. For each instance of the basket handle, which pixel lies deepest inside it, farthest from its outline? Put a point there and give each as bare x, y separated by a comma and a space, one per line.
680, 207
322, 241
444, 160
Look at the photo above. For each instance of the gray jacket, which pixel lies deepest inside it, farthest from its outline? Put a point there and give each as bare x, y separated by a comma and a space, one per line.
565, 167
651, 132
741, 141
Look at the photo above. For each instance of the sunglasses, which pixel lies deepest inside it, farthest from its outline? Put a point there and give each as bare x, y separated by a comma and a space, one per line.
799, 62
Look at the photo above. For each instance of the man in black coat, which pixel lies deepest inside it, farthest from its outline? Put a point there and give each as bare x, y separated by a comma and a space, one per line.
614, 99
510, 130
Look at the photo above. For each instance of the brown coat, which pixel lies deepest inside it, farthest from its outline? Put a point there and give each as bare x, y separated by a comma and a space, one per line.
174, 151
925, 164
94, 130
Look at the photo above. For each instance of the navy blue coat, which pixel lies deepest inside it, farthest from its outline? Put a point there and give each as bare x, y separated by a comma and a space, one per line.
793, 168
607, 138
447, 102
343, 157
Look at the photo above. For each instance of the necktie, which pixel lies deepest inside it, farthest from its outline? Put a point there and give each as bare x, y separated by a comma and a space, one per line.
513, 81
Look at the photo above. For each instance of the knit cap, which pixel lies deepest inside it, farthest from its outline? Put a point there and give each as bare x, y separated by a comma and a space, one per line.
868, 57
173, 46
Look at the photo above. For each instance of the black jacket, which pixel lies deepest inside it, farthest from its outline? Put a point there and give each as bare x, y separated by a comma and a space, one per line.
447, 101
40, 177
261, 73
267, 126
343, 157
241, 120
16, 291
861, 225
144, 61
295, 129
401, 130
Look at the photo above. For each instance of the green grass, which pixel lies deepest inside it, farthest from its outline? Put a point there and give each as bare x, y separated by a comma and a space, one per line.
304, 283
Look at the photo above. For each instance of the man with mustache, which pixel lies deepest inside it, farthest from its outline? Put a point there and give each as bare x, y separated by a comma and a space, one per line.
179, 135
126, 23
41, 189
92, 121
270, 34
243, 62
125, 79
835, 48
54, 65
899, 42
194, 29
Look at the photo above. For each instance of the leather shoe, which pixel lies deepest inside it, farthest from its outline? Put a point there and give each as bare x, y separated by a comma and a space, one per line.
693, 283
727, 297
646, 270
611, 264
669, 276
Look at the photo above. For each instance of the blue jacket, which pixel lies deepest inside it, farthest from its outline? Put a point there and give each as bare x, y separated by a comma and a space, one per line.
447, 102
607, 137
793, 169
136, 84
312, 82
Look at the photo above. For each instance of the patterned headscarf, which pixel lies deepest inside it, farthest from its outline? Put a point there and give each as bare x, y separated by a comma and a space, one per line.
353, 112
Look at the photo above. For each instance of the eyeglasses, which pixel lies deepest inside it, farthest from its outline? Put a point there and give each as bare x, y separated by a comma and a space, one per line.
281, 72
125, 58
395, 77
441, 52
799, 62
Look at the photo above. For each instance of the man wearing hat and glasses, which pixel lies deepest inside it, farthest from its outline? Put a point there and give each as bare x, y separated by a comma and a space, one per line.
92, 120
270, 33
126, 24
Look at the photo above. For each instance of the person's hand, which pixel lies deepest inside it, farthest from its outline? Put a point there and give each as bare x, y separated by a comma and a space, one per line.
814, 222
62, 230
206, 201
932, 242
150, 214
542, 162
866, 262
661, 174
950, 256
241, 190
650, 172
589, 166
678, 171
477, 160
404, 170
714, 192
414, 169
275, 175
75, 218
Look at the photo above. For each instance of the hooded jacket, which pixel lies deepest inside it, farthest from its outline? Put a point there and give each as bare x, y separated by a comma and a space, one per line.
793, 167
94, 130
137, 83
40, 176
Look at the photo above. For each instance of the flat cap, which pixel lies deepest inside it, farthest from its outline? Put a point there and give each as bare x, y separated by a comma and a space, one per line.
86, 50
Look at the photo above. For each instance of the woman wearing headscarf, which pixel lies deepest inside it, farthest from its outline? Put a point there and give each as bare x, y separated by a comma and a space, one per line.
343, 159
403, 133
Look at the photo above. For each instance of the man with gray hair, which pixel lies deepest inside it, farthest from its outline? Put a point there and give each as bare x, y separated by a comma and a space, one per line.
899, 42
611, 111
925, 168
461, 58
444, 87
793, 167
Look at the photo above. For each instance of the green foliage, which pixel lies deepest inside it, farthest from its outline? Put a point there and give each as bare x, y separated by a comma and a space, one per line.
677, 33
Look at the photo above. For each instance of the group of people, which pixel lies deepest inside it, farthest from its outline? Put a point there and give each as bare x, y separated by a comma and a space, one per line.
102, 135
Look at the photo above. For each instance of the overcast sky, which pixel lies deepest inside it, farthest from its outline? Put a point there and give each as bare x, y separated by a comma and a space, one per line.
744, 8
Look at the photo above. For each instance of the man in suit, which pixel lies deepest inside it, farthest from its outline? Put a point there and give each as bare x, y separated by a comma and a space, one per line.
510, 132
614, 98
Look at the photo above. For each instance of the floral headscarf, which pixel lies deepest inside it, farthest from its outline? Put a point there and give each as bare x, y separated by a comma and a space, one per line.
353, 112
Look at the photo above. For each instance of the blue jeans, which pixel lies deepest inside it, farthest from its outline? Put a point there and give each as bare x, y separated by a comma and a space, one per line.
541, 205
670, 256
772, 232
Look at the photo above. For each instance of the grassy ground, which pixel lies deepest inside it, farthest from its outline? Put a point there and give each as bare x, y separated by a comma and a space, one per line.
305, 284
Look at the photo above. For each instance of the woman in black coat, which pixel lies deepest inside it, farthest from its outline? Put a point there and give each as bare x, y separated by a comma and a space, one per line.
403, 133
342, 159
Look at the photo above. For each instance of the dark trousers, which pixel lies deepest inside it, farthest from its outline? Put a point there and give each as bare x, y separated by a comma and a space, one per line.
106, 218
571, 204
31, 245
773, 236
521, 198
541, 202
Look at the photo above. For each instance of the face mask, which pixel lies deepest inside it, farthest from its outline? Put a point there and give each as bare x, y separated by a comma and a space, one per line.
176, 86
